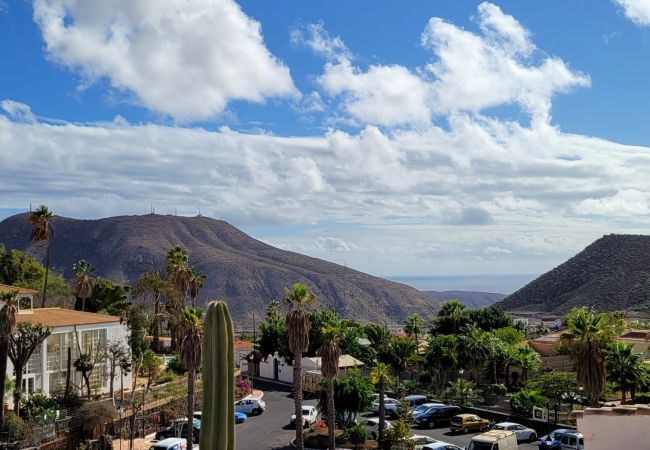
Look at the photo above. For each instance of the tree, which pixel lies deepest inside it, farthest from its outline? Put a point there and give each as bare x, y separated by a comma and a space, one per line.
556, 386
494, 350
463, 392
195, 282
625, 367
151, 366
489, 318
589, 334
380, 377
399, 435
22, 344
273, 336
8, 312
320, 320
473, 349
118, 356
154, 290
452, 317
178, 268
330, 353
106, 297
84, 281
510, 335
380, 338
297, 325
89, 355
442, 356
528, 360
414, 326
522, 402
191, 355
353, 394
351, 333
42, 230
403, 351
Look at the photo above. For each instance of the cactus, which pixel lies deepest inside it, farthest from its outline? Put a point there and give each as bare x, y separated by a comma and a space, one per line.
218, 420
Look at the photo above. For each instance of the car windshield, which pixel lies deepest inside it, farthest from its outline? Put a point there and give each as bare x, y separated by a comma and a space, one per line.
480, 446
421, 409
305, 412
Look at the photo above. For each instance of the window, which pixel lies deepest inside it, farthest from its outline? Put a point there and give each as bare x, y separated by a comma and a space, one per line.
572, 440
565, 439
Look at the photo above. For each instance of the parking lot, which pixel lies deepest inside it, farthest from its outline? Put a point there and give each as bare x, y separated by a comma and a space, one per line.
271, 430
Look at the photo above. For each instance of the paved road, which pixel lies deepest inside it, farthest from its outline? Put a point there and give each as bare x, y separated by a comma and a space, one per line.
270, 431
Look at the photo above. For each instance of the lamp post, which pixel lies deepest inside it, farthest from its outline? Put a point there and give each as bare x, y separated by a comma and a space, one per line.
120, 411
144, 391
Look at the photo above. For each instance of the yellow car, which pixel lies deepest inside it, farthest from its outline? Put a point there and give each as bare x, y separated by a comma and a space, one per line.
467, 423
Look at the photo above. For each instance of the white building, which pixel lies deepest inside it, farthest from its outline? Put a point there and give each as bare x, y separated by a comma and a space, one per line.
619, 427
47, 368
275, 367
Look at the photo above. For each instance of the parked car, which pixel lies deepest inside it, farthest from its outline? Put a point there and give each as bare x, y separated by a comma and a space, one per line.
391, 406
441, 446
423, 407
467, 423
524, 434
239, 416
437, 415
415, 400
547, 442
250, 407
572, 440
170, 444
371, 424
420, 441
178, 428
494, 440
309, 416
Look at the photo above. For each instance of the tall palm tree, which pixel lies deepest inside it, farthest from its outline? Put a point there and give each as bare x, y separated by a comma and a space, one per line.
42, 230
588, 336
442, 356
494, 350
403, 351
84, 281
380, 377
330, 354
625, 367
154, 289
528, 360
473, 348
298, 326
414, 326
195, 282
8, 313
178, 268
453, 315
191, 355
380, 338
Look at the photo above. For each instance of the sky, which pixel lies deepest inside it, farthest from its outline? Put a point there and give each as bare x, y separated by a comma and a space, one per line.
458, 144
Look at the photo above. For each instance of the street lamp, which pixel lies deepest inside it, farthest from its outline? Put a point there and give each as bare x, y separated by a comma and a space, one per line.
144, 391
120, 410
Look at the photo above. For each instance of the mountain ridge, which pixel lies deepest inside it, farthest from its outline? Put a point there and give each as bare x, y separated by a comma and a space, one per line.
245, 272
612, 273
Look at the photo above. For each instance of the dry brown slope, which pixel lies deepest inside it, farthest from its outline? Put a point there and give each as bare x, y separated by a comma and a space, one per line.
613, 273
242, 270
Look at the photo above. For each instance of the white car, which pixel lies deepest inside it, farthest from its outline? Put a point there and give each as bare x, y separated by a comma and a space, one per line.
371, 424
423, 407
391, 406
250, 407
309, 416
441, 446
420, 441
523, 433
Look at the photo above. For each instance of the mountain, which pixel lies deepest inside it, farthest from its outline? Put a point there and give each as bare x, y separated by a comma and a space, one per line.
468, 298
613, 273
245, 272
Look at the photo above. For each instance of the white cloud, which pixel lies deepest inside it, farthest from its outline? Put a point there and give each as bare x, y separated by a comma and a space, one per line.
493, 250
625, 203
638, 11
187, 59
470, 72
20, 112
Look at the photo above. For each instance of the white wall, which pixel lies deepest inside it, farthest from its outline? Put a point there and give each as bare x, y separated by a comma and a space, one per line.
285, 371
606, 432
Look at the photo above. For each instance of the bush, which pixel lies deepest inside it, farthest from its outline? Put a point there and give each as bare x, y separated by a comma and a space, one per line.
175, 365
38, 403
14, 425
167, 377
491, 392
522, 402
357, 435
642, 397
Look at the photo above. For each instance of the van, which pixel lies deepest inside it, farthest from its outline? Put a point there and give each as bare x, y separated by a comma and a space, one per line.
170, 444
415, 400
494, 440
572, 440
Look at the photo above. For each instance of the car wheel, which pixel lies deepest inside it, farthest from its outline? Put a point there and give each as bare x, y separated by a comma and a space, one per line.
432, 424
465, 430
533, 437
256, 412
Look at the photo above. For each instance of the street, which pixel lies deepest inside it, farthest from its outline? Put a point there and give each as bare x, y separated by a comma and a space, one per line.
271, 430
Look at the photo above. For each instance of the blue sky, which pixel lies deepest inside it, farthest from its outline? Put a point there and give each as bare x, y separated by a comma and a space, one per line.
432, 139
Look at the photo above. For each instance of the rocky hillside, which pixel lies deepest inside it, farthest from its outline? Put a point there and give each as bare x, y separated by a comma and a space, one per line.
469, 298
242, 270
613, 273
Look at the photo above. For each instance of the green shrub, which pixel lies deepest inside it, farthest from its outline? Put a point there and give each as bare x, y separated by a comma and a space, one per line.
167, 377
14, 425
357, 435
522, 402
175, 365
642, 397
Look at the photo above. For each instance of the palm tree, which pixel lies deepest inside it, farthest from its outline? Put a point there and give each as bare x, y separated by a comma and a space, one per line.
380, 377
624, 367
442, 356
588, 336
330, 354
178, 268
494, 350
8, 313
298, 326
195, 282
380, 338
191, 355
403, 351
452, 317
473, 348
42, 230
414, 326
528, 360
463, 392
84, 281
156, 290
